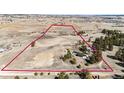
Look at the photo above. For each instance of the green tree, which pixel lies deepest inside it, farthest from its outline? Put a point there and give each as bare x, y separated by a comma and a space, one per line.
35, 73
104, 31
67, 56
49, 73
25, 78
17, 77
92, 59
62, 75
117, 43
73, 61
110, 47
79, 66
120, 54
84, 75
69, 53
104, 46
41, 73
83, 48
98, 55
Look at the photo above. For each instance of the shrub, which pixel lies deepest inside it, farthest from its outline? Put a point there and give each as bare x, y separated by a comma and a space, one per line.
41, 73
25, 78
84, 75
71, 73
73, 61
17, 77
120, 54
35, 73
66, 76
62, 75
66, 56
79, 66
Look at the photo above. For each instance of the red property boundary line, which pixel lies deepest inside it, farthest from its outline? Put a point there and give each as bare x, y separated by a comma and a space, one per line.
41, 36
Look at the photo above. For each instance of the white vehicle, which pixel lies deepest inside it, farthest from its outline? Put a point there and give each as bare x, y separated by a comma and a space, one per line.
2, 50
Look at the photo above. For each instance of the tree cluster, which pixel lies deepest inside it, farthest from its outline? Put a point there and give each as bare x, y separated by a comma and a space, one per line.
83, 48
67, 56
113, 37
84, 75
120, 54
96, 57
62, 75
103, 44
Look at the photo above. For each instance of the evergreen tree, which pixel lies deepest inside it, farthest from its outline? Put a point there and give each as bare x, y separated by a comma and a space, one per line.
104, 46
110, 47
84, 75
62, 75
117, 43
69, 53
92, 59
120, 54
104, 31
98, 55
